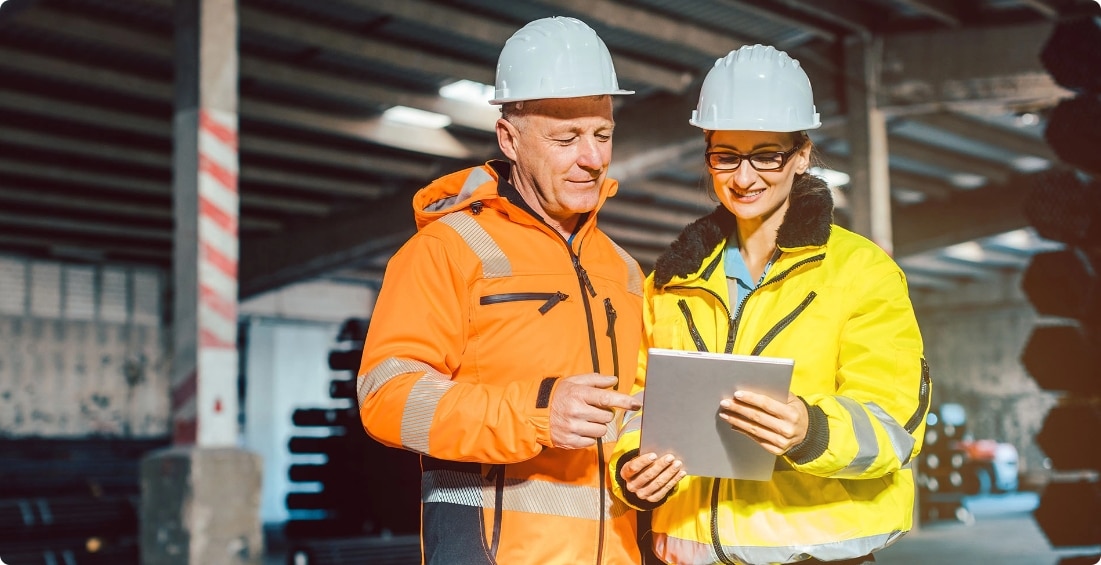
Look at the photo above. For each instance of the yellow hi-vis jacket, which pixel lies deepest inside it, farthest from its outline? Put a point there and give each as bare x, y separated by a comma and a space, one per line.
838, 305
480, 314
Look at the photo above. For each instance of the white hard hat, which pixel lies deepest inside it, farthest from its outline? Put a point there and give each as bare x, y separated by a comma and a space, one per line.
555, 57
756, 88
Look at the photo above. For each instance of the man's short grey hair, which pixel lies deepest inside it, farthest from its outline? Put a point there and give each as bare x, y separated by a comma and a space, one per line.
513, 112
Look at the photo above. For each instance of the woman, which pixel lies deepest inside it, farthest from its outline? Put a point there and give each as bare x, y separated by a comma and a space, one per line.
767, 273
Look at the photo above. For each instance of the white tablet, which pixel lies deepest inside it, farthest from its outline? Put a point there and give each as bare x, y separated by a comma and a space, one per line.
680, 410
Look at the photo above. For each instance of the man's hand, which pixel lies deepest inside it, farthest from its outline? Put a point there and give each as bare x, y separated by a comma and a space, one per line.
581, 408
651, 477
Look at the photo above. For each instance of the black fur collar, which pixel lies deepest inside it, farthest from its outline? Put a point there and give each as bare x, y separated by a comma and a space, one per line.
807, 222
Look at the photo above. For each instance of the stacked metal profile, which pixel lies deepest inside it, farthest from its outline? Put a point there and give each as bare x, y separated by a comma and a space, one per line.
72, 502
942, 478
1064, 351
366, 496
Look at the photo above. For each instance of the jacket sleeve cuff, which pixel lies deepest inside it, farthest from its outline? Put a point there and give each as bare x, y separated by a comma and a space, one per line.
816, 440
629, 497
542, 410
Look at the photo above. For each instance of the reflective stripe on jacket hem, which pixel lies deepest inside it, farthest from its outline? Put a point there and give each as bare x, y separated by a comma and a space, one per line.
531, 496
688, 552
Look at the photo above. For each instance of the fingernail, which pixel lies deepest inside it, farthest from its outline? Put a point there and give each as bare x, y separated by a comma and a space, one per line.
739, 394
726, 403
676, 464
653, 457
668, 458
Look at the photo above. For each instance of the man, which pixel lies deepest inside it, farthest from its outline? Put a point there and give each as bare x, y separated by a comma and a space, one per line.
503, 325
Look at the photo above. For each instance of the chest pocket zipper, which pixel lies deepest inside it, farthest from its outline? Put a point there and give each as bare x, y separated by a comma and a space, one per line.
550, 299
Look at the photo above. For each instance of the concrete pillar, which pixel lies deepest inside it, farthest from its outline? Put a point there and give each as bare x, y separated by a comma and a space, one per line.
201, 505
869, 179
201, 498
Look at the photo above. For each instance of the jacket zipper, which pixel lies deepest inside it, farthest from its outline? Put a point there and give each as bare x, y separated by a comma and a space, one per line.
716, 544
701, 345
776, 279
772, 333
611, 313
698, 339
692, 329
923, 395
587, 287
552, 298
497, 474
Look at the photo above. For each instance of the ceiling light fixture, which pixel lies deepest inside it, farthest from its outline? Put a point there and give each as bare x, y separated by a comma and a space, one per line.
414, 117
968, 251
468, 91
833, 178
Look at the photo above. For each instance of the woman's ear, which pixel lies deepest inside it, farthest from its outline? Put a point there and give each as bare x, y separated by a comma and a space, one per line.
802, 158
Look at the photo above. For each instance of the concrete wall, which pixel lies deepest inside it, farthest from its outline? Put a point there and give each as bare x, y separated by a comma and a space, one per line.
974, 336
81, 350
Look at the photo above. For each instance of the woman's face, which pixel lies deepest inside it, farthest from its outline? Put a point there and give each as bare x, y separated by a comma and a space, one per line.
753, 195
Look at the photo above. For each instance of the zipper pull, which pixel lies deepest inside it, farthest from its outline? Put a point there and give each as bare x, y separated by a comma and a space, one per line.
584, 276
610, 311
552, 302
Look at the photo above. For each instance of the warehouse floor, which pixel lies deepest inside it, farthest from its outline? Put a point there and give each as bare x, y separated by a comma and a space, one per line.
999, 531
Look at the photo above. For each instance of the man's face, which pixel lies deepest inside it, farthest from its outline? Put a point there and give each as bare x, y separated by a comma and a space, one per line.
561, 149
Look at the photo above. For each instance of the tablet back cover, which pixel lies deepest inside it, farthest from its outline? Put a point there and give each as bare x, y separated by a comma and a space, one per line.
680, 412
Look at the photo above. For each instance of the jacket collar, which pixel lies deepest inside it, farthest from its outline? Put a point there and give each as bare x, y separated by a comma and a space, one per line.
806, 223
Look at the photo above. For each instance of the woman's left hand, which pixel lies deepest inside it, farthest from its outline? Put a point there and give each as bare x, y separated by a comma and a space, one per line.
777, 426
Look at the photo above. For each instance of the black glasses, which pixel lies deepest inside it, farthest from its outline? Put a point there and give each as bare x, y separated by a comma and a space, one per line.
765, 161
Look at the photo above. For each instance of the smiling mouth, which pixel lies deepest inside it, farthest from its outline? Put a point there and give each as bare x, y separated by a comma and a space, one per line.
747, 194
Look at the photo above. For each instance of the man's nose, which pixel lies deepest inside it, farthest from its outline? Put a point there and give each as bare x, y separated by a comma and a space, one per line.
590, 155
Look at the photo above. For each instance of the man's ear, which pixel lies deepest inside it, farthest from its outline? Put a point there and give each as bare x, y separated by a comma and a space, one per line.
508, 137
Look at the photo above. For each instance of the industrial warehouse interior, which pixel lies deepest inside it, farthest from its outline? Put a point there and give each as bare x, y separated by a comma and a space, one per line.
960, 136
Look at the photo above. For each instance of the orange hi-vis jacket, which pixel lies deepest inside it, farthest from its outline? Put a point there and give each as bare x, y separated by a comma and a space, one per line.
480, 314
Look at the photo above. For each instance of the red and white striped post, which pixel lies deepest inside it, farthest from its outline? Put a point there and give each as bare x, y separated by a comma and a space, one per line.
204, 384
201, 498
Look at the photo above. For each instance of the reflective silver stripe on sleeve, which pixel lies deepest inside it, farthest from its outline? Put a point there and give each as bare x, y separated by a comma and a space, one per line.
901, 440
494, 262
420, 407
632, 423
867, 449
634, 273
386, 370
612, 434
632, 419
531, 496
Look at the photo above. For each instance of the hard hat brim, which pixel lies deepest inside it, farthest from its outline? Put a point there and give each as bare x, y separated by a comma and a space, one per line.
499, 101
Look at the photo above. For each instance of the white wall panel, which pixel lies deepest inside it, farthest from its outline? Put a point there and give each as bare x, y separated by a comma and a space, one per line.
13, 286
81, 351
287, 368
79, 292
45, 289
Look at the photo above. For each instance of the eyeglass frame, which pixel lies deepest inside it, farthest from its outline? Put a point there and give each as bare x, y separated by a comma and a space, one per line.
784, 156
